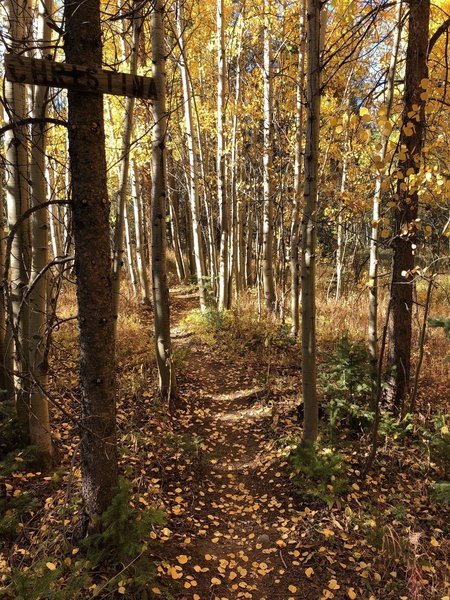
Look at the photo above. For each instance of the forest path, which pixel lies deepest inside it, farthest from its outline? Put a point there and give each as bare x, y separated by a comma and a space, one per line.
234, 532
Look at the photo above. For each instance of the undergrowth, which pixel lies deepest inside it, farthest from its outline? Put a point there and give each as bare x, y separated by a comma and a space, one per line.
240, 330
318, 473
117, 559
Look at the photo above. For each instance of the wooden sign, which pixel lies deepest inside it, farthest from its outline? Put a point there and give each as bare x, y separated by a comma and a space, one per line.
21, 69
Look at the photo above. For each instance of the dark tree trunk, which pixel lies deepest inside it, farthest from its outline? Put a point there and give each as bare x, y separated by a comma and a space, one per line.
90, 209
411, 139
163, 346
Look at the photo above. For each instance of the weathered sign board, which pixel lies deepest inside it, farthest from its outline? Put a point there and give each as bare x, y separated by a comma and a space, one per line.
22, 69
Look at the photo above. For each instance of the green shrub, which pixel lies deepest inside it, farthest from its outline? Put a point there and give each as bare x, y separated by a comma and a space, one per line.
441, 492
318, 473
396, 429
437, 438
123, 530
346, 385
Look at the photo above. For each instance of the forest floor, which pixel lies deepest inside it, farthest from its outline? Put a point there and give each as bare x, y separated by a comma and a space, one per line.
239, 523
239, 528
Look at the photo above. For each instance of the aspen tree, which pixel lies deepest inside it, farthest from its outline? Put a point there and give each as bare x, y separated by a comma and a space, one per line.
118, 246
167, 382
40, 435
267, 258
138, 212
222, 196
236, 204
295, 225
193, 175
131, 254
6, 349
342, 187
17, 201
174, 218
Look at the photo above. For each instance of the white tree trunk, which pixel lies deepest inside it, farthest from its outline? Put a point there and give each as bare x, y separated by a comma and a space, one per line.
40, 433
224, 300
267, 258
131, 255
193, 177
118, 247
295, 225
139, 234
17, 200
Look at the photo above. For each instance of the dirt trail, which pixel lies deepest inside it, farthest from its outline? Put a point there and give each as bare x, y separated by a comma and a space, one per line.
235, 532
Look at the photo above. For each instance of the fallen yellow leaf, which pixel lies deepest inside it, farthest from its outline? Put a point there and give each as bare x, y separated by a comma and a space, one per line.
309, 571
351, 593
333, 584
182, 559
50, 566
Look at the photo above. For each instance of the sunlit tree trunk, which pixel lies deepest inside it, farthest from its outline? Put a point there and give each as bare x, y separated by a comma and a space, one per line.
193, 175
208, 211
374, 237
40, 434
118, 246
131, 255
6, 346
175, 220
240, 246
295, 224
249, 279
309, 227
90, 210
403, 244
267, 258
224, 210
17, 200
141, 262
234, 170
341, 203
54, 213
167, 384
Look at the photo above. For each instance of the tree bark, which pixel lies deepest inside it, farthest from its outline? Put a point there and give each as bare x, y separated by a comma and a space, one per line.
403, 244
90, 213
167, 382
309, 228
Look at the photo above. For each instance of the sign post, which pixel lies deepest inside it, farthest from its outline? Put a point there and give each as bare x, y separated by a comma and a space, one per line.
22, 69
